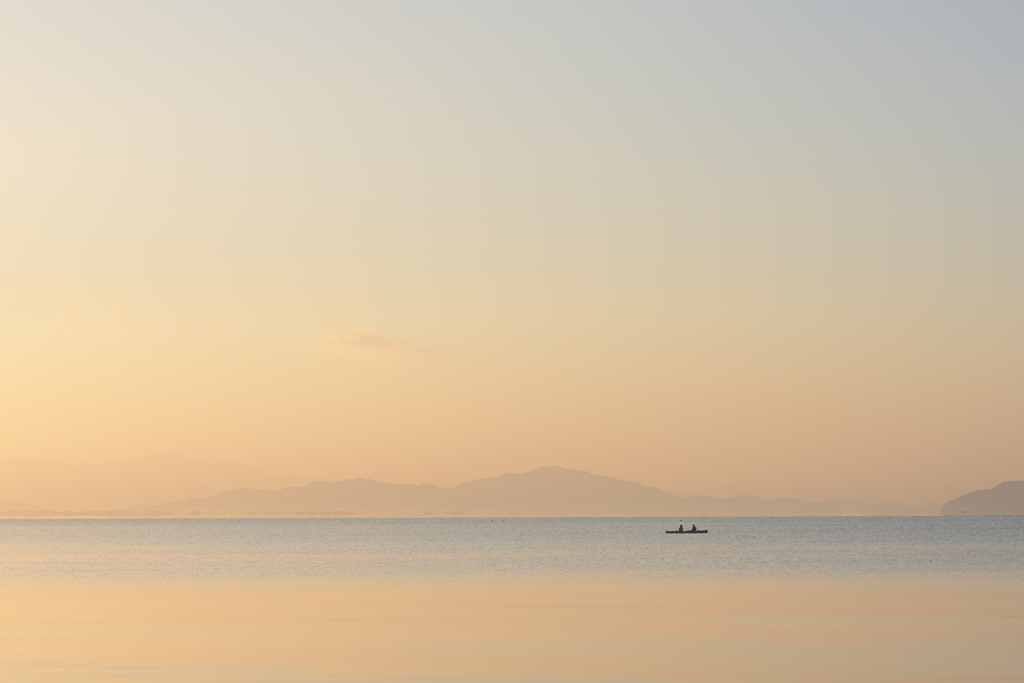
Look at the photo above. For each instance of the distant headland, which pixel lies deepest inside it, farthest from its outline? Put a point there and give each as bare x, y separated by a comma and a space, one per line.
1005, 499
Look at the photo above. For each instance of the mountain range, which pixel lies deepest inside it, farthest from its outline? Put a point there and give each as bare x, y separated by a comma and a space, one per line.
28, 483
134, 488
543, 492
1005, 499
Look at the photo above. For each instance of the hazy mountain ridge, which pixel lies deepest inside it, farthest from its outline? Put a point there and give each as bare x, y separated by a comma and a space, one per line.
372, 498
543, 492
1005, 499
128, 489
28, 483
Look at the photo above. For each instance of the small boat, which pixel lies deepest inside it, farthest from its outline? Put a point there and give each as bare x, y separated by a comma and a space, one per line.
687, 531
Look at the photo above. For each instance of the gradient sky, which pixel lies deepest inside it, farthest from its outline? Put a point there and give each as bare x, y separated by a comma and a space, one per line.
719, 248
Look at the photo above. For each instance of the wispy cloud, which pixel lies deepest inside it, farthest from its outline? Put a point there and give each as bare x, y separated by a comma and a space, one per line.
370, 340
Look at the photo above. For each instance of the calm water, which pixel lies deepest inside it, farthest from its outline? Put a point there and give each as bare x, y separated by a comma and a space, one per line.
794, 600
589, 550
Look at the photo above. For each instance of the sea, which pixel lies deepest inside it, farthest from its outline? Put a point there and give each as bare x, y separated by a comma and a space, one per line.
555, 599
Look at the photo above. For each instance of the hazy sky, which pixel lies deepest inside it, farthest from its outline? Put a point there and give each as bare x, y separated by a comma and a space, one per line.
717, 248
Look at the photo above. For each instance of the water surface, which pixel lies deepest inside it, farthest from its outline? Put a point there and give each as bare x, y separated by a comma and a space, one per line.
573, 550
840, 600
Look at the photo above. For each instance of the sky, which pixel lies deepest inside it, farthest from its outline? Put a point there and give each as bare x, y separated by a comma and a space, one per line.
718, 248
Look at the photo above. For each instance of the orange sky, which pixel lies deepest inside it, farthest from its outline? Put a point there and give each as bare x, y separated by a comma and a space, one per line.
775, 254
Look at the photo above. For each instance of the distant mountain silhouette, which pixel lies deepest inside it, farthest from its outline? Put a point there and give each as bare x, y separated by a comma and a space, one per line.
1005, 499
6, 506
39, 484
543, 492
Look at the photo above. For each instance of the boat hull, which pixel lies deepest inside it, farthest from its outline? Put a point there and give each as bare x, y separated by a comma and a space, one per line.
688, 531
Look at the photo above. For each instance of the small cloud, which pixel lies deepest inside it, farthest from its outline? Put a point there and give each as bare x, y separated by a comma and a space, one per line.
370, 340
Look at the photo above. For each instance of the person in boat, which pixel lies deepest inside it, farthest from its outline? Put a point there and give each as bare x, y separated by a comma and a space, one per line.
680, 527
694, 527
